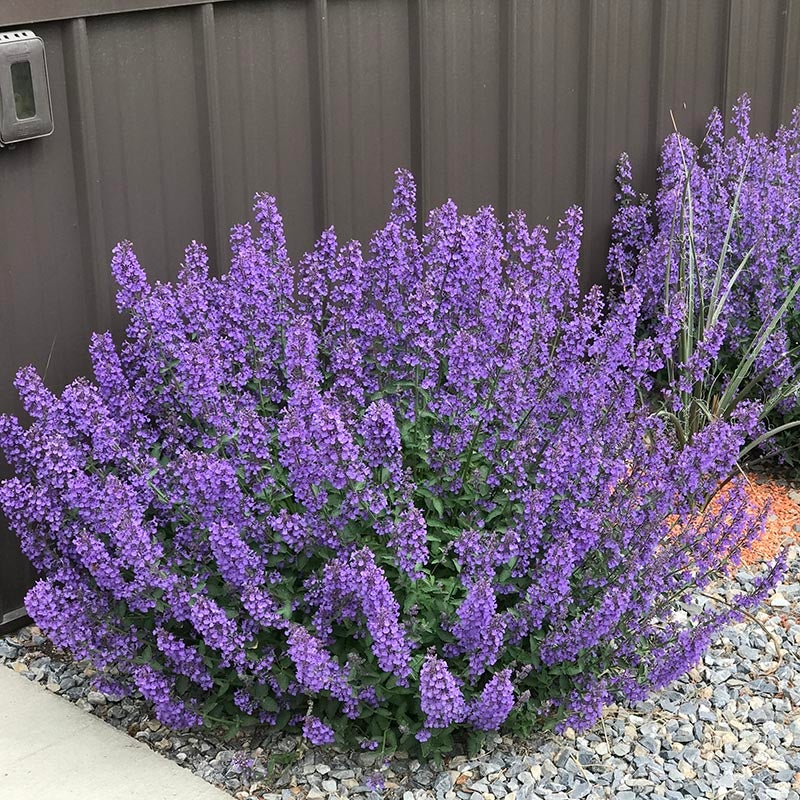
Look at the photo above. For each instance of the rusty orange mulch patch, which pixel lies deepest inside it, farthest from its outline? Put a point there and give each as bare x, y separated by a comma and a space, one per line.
783, 521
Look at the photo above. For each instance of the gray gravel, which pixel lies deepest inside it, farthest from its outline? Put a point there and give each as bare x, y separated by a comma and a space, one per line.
729, 729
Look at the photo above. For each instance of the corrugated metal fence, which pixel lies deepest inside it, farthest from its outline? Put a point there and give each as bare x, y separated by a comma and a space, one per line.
169, 116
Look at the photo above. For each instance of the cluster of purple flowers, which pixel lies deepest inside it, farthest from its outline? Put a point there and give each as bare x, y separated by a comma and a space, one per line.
715, 257
378, 495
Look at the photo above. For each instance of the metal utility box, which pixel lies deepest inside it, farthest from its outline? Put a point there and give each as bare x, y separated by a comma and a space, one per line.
25, 109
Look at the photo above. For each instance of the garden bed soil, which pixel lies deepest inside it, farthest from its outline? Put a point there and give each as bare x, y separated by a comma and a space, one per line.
783, 520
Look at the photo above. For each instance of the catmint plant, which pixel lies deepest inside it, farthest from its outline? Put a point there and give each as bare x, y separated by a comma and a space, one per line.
384, 496
716, 259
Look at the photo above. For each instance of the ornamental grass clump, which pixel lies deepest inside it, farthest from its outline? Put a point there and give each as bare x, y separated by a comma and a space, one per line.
716, 260
381, 498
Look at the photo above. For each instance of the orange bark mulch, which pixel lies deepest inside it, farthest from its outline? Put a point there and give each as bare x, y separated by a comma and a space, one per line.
783, 521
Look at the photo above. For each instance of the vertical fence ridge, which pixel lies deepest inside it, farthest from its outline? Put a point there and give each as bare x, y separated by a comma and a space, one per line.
789, 85
658, 78
730, 66
322, 117
83, 133
589, 92
507, 123
420, 114
211, 141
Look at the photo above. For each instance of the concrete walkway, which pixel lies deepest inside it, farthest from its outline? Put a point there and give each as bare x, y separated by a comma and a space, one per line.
51, 750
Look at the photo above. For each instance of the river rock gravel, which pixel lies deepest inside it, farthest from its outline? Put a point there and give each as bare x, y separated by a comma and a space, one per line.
728, 729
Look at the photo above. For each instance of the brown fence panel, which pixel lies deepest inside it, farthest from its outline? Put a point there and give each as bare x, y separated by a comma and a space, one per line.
547, 113
170, 114
266, 93
47, 309
369, 84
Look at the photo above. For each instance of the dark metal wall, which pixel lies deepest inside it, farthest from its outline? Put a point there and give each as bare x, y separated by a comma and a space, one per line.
169, 115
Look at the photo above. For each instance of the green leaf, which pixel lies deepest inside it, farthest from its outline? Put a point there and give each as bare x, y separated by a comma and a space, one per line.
282, 679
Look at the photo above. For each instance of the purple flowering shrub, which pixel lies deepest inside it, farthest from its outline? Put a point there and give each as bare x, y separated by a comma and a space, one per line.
716, 260
382, 498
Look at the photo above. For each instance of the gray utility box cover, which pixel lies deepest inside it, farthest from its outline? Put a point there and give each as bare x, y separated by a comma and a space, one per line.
25, 110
